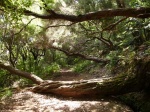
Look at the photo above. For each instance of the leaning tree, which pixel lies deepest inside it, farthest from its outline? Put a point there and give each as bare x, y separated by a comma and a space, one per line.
136, 75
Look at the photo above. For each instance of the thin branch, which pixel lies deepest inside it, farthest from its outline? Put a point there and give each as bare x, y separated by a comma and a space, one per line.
95, 59
24, 27
86, 41
105, 41
110, 27
82, 26
56, 26
113, 25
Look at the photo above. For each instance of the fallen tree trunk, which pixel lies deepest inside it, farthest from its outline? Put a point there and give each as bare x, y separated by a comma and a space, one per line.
115, 86
87, 88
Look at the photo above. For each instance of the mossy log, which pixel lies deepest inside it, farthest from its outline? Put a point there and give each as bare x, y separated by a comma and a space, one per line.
114, 86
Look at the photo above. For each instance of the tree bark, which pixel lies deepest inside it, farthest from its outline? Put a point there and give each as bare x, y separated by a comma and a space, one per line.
127, 12
27, 75
142, 12
114, 86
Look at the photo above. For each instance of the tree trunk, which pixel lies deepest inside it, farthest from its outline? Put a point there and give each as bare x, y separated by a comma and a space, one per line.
27, 75
115, 86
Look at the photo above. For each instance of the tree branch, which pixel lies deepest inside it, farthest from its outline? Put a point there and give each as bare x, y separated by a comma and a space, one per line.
24, 27
27, 75
45, 28
112, 26
95, 59
127, 12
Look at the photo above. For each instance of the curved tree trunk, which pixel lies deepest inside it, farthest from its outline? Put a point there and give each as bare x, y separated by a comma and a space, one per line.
27, 75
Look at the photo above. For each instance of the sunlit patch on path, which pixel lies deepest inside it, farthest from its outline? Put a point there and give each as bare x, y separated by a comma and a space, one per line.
27, 101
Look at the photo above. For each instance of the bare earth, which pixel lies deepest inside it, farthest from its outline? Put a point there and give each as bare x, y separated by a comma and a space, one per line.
27, 101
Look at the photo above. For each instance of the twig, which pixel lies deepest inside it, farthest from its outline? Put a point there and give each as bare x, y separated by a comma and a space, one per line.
24, 27
56, 26
111, 27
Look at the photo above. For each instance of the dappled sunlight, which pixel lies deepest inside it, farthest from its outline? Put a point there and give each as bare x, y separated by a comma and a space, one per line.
66, 55
32, 102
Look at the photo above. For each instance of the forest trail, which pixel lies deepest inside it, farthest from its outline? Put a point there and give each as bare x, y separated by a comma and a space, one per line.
69, 75
27, 101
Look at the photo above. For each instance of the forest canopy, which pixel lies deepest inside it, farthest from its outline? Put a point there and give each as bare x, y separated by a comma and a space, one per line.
43, 36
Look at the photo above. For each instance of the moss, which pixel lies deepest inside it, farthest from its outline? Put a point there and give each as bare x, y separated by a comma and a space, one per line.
139, 102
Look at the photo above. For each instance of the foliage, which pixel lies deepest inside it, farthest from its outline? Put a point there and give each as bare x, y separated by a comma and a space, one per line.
27, 43
7, 79
3, 78
5, 93
81, 66
50, 69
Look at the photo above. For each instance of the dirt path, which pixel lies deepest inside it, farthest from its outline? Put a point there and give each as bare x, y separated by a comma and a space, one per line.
69, 75
27, 101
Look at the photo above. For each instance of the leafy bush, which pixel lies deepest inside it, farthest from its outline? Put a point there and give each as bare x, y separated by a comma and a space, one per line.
6, 79
81, 66
50, 69
5, 93
113, 57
